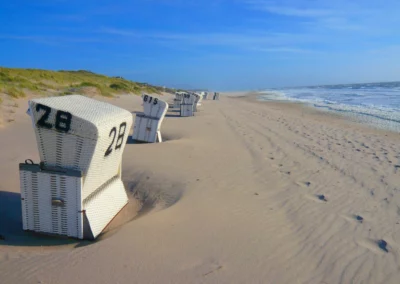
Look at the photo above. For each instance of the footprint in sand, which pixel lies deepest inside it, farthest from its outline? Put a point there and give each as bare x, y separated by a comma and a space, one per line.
203, 267
376, 246
382, 244
316, 198
359, 218
304, 184
214, 270
354, 218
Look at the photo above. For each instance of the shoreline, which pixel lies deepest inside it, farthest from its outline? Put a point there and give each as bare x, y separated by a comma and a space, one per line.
368, 120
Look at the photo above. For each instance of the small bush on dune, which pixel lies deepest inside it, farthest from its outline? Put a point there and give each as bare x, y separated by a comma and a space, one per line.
14, 92
66, 93
26, 84
88, 84
105, 93
5, 77
150, 90
119, 86
102, 89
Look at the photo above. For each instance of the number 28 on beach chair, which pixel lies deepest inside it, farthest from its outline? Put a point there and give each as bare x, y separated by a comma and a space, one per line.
148, 124
76, 190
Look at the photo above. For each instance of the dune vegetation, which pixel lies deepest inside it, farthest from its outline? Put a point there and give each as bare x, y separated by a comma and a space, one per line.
17, 83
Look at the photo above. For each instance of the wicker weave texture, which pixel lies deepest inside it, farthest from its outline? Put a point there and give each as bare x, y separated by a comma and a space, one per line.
145, 129
84, 108
94, 142
188, 99
177, 103
147, 125
200, 99
40, 192
178, 99
103, 204
197, 102
188, 105
154, 107
187, 110
51, 203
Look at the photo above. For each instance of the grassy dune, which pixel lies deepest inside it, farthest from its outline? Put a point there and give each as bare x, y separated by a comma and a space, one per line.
17, 83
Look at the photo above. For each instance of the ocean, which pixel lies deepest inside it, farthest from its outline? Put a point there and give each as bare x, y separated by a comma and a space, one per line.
376, 104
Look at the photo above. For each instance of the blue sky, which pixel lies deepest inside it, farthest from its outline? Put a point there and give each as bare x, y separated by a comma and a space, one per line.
216, 44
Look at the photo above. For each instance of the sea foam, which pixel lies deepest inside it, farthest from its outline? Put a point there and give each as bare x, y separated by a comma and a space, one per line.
377, 104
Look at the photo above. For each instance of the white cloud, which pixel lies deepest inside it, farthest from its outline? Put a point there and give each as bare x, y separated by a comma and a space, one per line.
292, 11
51, 40
368, 16
283, 49
245, 39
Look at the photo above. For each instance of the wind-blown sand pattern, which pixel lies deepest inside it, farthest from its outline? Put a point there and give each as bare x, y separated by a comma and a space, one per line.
244, 192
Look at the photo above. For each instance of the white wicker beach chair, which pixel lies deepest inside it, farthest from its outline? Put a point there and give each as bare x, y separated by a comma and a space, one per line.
188, 104
147, 125
178, 99
199, 99
77, 189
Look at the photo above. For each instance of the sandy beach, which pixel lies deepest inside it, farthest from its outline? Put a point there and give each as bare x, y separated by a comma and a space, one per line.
244, 192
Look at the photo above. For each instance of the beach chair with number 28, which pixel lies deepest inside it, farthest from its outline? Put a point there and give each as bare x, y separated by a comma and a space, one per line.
76, 190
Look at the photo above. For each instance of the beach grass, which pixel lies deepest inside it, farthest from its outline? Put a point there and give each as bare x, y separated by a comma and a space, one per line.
16, 83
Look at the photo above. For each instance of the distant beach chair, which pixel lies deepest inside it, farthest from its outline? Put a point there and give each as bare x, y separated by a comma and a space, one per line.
178, 99
205, 95
188, 105
199, 99
216, 96
148, 124
76, 190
